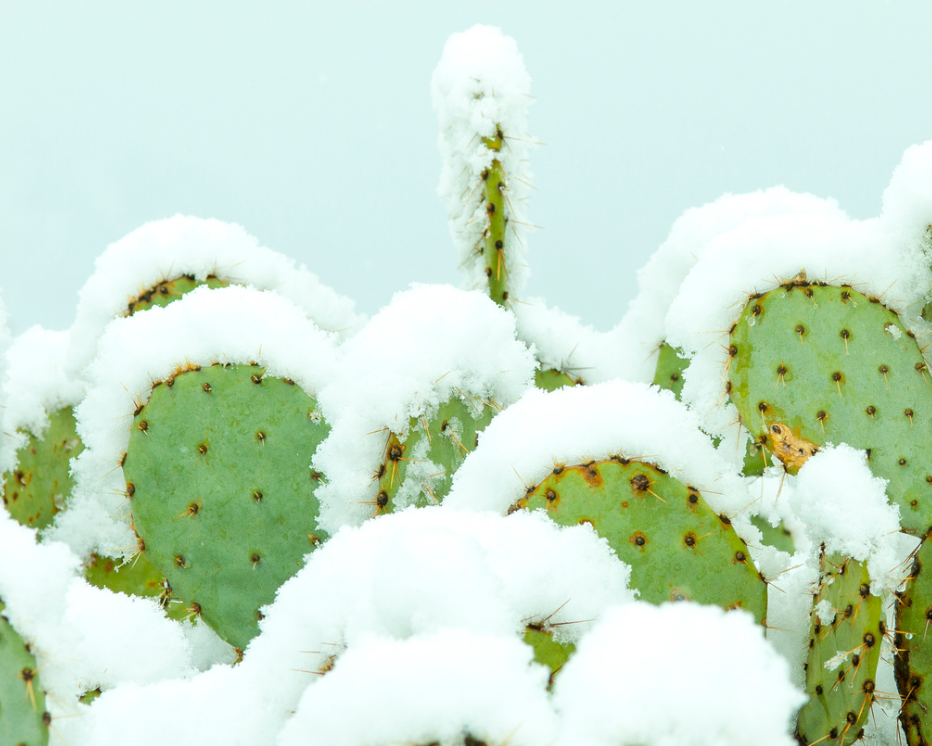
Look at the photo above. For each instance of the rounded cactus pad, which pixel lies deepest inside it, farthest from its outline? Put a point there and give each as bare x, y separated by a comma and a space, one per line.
811, 364
136, 577
678, 549
35, 490
913, 663
221, 490
24, 720
419, 469
166, 291
844, 648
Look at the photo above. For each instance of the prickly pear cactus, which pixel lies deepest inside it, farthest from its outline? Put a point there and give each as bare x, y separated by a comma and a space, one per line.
913, 663
221, 491
844, 648
811, 364
670, 366
168, 290
676, 546
547, 650
135, 577
35, 490
421, 466
24, 720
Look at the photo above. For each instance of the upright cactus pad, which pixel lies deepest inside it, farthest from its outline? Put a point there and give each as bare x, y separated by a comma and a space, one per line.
35, 490
222, 494
24, 720
163, 293
676, 546
913, 662
419, 470
811, 364
844, 648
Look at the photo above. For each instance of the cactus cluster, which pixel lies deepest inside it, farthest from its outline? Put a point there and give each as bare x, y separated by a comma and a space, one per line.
428, 528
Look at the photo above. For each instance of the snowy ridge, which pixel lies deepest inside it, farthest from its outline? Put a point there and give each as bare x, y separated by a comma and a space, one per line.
228, 325
166, 249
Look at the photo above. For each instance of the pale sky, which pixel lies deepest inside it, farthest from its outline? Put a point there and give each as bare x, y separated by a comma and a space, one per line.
310, 125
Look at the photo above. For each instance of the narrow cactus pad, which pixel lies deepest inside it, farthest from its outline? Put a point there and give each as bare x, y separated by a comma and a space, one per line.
676, 546
163, 293
844, 647
493, 242
553, 379
420, 469
36, 489
670, 366
23, 717
812, 364
137, 577
222, 494
548, 651
913, 662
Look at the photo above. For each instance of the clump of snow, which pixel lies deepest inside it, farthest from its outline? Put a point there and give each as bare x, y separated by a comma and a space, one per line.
428, 689
430, 343
907, 200
573, 425
167, 249
676, 674
479, 86
228, 325
35, 384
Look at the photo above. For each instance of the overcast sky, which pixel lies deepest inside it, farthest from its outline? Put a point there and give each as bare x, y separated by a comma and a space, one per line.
310, 124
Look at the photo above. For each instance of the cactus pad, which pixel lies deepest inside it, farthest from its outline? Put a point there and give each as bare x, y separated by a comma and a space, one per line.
813, 364
137, 577
844, 648
34, 492
676, 546
548, 651
670, 366
163, 293
222, 495
553, 379
23, 718
913, 664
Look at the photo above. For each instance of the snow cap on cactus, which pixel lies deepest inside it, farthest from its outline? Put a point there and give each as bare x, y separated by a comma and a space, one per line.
429, 344
428, 689
481, 93
227, 325
164, 250
675, 674
35, 384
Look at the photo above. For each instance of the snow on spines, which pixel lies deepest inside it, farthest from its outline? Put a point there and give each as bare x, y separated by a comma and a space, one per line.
233, 325
431, 345
194, 250
481, 92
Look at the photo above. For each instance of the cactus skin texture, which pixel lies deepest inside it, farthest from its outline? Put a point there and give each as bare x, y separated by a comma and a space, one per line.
676, 546
553, 379
24, 720
137, 577
436, 449
811, 364
163, 293
841, 696
222, 495
913, 663
35, 491
548, 651
670, 366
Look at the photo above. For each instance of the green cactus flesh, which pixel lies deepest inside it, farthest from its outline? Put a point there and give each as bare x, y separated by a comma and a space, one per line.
548, 651
844, 648
222, 494
812, 364
24, 720
775, 536
493, 241
135, 577
676, 546
913, 663
163, 293
670, 366
553, 379
36, 489
419, 469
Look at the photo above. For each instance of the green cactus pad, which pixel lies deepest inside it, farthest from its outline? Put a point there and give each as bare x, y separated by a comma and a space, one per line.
24, 720
677, 548
35, 491
775, 536
913, 663
670, 366
434, 449
831, 365
844, 648
136, 577
222, 494
163, 293
552, 379
493, 242
548, 651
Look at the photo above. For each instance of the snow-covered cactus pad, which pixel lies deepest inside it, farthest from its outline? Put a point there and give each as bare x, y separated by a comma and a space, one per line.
23, 718
914, 649
811, 364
